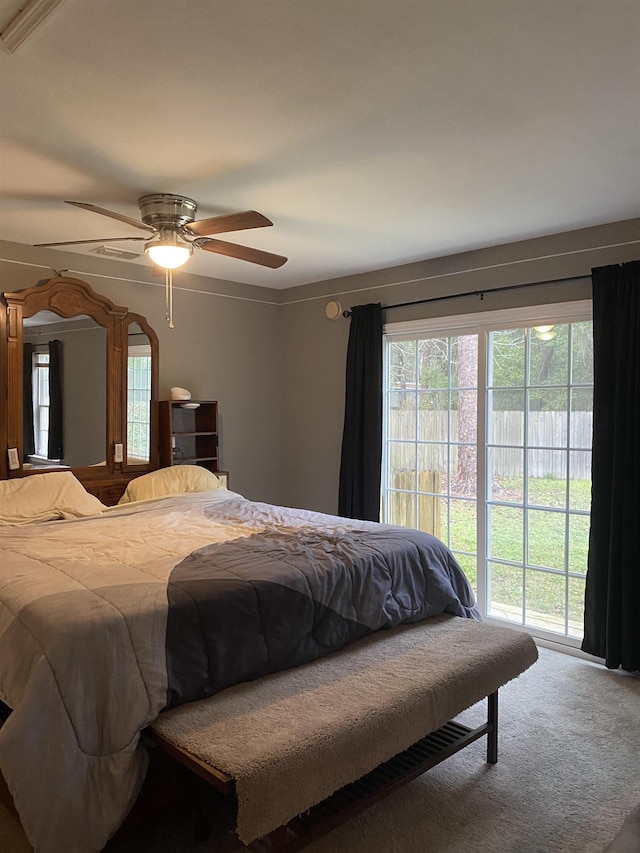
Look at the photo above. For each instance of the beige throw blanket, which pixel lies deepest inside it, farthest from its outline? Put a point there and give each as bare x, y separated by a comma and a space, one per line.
293, 738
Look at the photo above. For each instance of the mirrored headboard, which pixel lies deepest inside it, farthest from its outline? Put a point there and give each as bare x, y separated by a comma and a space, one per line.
80, 377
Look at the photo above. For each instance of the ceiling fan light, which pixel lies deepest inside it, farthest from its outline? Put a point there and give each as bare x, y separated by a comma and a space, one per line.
542, 329
168, 251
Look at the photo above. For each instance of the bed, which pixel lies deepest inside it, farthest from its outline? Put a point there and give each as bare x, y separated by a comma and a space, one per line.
111, 616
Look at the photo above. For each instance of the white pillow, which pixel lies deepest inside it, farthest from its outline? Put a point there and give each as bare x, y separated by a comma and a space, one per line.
175, 480
44, 497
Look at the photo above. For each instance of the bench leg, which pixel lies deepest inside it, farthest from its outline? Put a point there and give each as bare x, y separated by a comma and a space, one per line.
492, 735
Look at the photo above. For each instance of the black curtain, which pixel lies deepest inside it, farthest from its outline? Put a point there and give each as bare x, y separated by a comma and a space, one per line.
359, 495
612, 598
55, 448
28, 438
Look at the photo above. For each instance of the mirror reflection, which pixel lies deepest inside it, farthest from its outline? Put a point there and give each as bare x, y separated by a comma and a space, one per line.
138, 396
64, 391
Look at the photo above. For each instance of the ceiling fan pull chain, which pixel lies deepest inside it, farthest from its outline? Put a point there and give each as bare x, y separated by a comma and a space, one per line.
168, 294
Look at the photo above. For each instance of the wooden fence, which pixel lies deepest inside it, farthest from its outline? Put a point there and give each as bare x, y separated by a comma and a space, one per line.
547, 430
403, 506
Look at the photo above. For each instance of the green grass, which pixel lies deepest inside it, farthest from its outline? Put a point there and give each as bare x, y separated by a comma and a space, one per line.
549, 538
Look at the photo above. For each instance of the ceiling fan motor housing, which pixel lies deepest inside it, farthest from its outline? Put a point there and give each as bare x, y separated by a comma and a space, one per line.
164, 210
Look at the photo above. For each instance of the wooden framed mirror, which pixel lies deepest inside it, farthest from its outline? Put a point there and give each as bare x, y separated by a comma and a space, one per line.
64, 371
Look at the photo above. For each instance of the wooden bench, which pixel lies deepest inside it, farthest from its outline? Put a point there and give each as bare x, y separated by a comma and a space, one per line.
303, 750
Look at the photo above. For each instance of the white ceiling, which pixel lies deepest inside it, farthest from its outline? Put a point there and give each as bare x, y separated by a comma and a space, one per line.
372, 132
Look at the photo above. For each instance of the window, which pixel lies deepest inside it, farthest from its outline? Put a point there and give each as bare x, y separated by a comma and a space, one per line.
138, 403
488, 446
40, 382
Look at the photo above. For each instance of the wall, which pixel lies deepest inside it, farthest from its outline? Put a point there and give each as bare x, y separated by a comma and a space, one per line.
314, 348
225, 346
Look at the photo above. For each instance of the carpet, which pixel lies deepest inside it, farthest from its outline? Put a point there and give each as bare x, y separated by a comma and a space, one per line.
567, 776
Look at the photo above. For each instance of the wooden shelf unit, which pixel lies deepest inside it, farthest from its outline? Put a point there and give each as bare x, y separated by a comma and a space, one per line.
189, 436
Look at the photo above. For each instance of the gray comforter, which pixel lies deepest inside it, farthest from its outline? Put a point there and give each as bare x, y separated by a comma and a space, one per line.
279, 598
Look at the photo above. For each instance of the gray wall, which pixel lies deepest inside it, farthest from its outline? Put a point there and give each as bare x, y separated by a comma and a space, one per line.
276, 364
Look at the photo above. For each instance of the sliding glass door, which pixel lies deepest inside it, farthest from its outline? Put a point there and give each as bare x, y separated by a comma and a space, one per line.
488, 446
431, 441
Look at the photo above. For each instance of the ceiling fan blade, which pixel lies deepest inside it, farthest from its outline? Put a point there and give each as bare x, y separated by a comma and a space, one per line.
229, 222
243, 253
97, 240
104, 212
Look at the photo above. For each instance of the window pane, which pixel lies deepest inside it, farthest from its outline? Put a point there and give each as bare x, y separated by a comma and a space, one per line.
506, 533
548, 418
545, 601
402, 465
576, 607
506, 424
548, 465
505, 467
581, 417
138, 406
433, 402
506, 357
547, 490
462, 531
430, 514
501, 486
43, 386
464, 405
578, 542
432, 459
402, 508
542, 401
506, 592
464, 361
581, 429
402, 424
433, 416
402, 364
434, 363
549, 358
580, 480
546, 538
464, 477
582, 353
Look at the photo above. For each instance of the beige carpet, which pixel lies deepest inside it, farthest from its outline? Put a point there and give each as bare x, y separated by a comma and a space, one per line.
568, 773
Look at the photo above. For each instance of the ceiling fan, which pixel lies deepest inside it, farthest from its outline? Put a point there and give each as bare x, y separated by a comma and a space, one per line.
173, 231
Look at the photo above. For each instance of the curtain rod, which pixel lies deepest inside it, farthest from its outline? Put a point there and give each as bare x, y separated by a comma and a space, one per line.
479, 293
